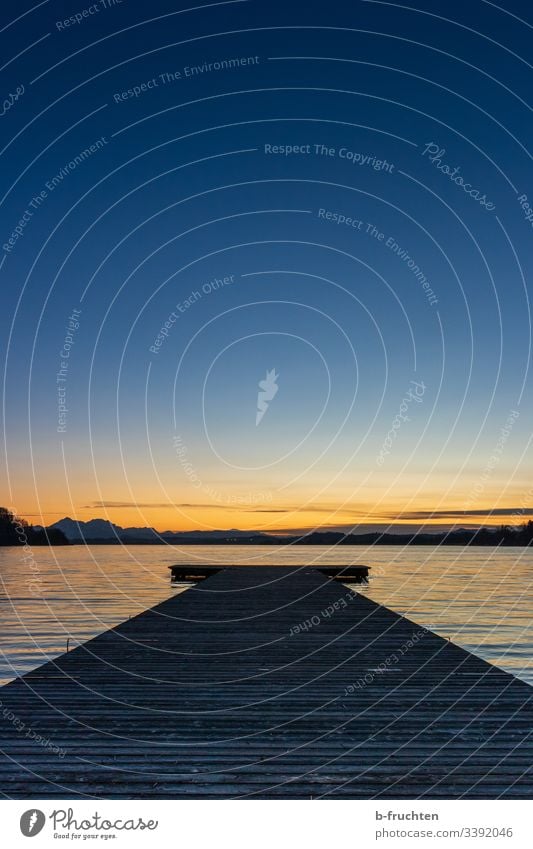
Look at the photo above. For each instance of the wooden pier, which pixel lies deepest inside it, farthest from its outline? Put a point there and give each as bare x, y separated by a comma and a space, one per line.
267, 683
191, 572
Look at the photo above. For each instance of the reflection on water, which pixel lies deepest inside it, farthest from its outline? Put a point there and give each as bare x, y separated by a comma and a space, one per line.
481, 598
72, 593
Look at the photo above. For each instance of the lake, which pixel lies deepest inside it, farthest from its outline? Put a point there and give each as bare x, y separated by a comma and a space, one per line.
481, 598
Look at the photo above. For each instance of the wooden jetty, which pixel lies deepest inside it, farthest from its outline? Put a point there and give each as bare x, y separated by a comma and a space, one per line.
192, 572
267, 683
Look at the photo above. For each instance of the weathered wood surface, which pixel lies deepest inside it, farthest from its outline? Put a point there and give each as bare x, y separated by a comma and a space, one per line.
219, 692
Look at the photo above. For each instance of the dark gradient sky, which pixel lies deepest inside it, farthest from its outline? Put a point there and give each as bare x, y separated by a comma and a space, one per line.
181, 191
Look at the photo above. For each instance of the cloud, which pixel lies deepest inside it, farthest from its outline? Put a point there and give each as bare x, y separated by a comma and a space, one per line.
229, 505
148, 505
267, 510
460, 514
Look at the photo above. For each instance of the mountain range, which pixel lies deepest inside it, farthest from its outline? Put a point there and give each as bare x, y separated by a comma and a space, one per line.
103, 532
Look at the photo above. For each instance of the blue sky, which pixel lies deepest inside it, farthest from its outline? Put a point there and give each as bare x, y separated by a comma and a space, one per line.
181, 192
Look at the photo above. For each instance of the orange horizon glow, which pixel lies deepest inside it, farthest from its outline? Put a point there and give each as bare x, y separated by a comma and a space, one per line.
270, 519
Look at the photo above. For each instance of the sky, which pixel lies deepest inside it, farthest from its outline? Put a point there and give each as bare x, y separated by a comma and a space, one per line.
266, 266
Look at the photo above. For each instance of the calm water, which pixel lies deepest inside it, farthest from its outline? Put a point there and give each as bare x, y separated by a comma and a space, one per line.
481, 598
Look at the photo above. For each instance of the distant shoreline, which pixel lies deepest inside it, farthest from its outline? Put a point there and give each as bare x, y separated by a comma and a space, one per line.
454, 539
103, 532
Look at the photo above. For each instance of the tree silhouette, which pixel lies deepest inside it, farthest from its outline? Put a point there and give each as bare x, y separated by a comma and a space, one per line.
17, 531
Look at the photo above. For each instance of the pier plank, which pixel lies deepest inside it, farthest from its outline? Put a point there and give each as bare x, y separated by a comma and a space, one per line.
267, 682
